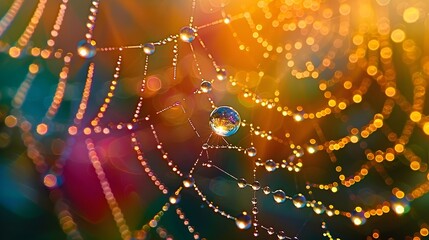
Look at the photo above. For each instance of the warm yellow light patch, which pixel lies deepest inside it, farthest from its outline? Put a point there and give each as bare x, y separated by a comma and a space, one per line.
390, 91
411, 15
398, 35
415, 116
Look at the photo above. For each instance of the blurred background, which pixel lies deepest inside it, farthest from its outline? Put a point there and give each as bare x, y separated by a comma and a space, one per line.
346, 78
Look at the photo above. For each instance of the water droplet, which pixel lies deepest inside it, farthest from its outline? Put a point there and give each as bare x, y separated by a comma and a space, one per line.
174, 199
149, 48
243, 221
255, 210
400, 206
281, 235
187, 34
270, 165
241, 183
251, 151
270, 230
266, 190
256, 185
221, 74
188, 182
205, 146
358, 218
206, 86
224, 121
299, 200
279, 196
86, 49
319, 208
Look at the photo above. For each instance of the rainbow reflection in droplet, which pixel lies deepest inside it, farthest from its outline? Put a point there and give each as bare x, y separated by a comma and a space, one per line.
224, 121
187, 34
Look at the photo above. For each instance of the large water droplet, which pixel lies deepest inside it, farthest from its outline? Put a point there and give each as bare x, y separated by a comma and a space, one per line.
224, 121
358, 218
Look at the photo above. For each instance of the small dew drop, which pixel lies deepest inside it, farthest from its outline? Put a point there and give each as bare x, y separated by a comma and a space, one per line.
270, 165
299, 200
267, 190
279, 196
358, 218
206, 86
241, 183
243, 221
255, 210
149, 48
256, 185
319, 208
251, 151
187, 34
224, 121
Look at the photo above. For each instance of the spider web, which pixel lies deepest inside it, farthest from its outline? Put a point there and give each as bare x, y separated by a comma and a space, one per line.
332, 140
